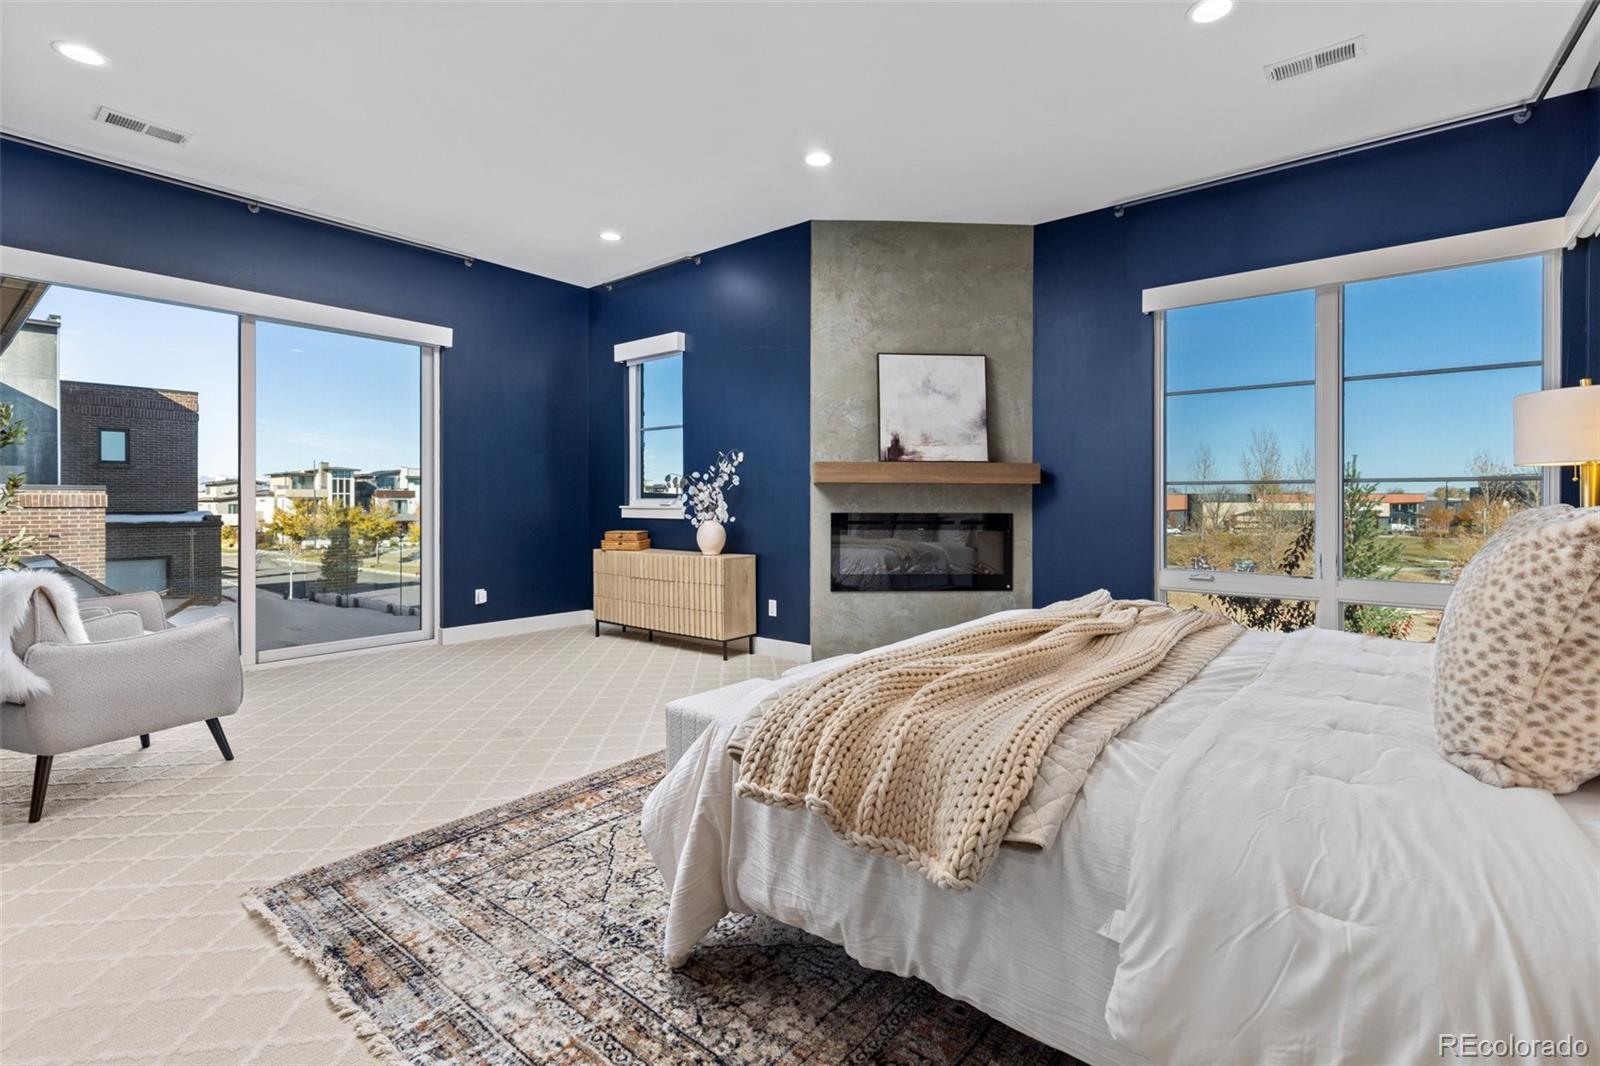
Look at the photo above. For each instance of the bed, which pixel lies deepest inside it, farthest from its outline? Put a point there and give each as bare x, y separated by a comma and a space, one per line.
1131, 939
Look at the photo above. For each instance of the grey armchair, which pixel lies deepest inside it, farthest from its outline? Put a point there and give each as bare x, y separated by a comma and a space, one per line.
137, 676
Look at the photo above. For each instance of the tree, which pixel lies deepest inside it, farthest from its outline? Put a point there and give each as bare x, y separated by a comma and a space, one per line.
294, 524
339, 562
291, 527
371, 527
1276, 513
1283, 616
1501, 493
1206, 510
12, 431
1367, 554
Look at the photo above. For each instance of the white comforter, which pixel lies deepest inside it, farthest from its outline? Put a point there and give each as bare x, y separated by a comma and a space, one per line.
1343, 894
1026, 945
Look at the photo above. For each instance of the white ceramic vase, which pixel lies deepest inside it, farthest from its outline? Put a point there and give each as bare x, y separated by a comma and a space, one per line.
711, 537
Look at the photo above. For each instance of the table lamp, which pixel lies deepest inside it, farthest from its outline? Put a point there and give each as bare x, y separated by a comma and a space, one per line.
1561, 427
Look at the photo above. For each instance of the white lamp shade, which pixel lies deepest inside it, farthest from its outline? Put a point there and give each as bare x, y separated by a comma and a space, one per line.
1557, 427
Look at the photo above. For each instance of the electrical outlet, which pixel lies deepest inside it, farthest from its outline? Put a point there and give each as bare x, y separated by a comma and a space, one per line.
772, 608
480, 597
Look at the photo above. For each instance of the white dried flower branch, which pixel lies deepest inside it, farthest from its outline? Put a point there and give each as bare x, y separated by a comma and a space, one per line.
702, 498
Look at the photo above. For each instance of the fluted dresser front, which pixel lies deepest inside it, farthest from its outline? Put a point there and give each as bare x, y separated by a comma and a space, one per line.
682, 593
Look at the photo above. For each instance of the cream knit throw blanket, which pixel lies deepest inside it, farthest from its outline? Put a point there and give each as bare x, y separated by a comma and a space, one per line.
925, 753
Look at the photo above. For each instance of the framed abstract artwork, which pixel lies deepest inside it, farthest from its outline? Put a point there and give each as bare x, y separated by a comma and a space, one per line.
933, 408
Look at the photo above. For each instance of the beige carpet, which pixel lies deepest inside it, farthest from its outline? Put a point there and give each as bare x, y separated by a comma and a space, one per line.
121, 934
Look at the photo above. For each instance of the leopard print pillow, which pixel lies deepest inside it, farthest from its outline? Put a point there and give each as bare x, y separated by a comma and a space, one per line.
1516, 669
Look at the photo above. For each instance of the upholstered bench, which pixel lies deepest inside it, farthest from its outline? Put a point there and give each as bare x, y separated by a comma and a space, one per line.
690, 716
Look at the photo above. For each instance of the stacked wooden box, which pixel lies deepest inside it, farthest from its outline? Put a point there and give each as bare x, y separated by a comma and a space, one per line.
625, 540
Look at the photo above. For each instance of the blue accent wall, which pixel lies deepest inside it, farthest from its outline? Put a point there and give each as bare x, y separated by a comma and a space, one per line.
746, 387
1094, 519
513, 421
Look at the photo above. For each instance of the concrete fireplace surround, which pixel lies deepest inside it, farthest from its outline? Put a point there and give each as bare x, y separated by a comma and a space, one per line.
915, 287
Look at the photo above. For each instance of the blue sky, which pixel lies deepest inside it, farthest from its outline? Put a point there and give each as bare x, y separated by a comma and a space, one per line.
662, 396
353, 401
1428, 426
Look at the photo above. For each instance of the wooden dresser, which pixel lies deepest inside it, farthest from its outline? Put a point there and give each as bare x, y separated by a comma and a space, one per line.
683, 593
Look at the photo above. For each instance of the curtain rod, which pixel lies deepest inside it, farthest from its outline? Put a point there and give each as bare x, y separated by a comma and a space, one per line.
614, 282
254, 206
1519, 113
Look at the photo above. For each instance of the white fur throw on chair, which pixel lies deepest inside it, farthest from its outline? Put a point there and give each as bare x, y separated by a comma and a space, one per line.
17, 682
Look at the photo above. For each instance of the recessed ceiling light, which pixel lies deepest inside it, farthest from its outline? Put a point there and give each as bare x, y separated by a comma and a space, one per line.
1209, 11
79, 53
818, 159
610, 235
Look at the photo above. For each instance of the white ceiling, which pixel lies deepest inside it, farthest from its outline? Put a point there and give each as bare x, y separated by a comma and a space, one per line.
515, 133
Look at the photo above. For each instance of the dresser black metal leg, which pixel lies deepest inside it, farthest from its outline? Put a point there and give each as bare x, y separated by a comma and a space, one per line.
144, 740
41, 781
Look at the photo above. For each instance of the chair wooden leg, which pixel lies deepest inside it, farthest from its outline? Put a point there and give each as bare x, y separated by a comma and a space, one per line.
215, 725
144, 740
41, 781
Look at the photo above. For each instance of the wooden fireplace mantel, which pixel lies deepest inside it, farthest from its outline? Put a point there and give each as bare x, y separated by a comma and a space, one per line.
916, 473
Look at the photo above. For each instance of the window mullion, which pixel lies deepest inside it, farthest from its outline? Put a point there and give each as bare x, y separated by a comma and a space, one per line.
1329, 453
635, 437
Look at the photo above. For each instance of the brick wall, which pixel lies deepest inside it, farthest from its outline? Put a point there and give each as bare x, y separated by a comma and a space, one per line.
162, 473
193, 551
65, 521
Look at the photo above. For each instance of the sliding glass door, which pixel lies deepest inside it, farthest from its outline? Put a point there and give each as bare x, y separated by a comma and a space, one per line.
274, 473
340, 458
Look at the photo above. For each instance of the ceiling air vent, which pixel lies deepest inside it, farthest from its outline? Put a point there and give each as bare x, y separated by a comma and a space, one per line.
138, 125
1322, 58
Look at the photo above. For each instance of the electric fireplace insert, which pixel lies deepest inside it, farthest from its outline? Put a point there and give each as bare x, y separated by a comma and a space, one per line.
900, 552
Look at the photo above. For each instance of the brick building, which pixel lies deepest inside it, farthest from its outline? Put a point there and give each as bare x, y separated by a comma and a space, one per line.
143, 445
67, 522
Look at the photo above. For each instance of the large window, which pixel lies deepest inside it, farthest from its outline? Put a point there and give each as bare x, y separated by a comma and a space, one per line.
1334, 456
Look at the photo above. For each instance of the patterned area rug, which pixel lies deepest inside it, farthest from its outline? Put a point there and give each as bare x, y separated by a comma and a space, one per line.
531, 933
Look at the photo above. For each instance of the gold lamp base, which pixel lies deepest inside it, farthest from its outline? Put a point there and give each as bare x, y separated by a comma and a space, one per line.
1587, 475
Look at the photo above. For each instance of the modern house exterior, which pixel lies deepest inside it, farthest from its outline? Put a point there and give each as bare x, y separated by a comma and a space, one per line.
324, 483
143, 445
221, 498
399, 489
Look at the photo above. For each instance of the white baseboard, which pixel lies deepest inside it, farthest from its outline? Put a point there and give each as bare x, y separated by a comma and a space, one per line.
512, 627
783, 649
787, 650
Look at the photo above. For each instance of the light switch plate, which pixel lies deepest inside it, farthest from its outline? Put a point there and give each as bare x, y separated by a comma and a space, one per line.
480, 597
772, 608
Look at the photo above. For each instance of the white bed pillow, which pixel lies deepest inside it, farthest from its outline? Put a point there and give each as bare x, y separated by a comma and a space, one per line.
1516, 673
